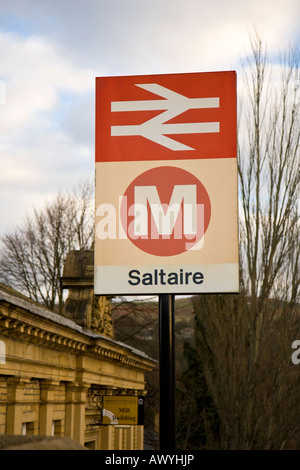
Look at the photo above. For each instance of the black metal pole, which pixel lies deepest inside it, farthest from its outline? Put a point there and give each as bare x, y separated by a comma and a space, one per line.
166, 372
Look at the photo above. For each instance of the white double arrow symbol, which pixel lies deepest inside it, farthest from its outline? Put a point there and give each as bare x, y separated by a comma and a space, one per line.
155, 129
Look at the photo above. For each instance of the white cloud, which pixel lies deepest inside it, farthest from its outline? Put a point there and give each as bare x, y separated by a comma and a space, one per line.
35, 73
38, 155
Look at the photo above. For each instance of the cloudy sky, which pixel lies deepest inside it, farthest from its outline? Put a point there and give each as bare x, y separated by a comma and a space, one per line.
52, 50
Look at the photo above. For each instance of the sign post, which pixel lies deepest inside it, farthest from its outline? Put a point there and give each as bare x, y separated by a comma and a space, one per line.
166, 372
166, 196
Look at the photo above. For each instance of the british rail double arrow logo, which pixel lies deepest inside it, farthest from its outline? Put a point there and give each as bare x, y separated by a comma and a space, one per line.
157, 129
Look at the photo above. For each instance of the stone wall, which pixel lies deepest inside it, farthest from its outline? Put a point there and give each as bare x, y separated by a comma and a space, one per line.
51, 364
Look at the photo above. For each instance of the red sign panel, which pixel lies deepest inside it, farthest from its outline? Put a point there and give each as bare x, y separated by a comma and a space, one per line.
166, 117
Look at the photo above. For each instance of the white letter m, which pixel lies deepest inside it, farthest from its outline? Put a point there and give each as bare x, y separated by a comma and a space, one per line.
165, 219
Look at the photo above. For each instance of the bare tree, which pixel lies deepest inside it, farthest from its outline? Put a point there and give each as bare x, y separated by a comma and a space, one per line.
245, 341
32, 256
269, 174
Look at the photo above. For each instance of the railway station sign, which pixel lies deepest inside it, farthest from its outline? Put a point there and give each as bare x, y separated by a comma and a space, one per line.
166, 211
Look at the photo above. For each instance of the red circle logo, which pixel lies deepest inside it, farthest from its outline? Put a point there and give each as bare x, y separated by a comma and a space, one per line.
165, 211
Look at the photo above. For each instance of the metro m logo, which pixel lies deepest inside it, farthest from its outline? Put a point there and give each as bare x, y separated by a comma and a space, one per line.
164, 215
167, 211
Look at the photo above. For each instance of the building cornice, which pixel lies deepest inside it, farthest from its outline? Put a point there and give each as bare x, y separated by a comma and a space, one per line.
31, 323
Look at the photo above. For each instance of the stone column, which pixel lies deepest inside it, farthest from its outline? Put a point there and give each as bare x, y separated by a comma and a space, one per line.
118, 444
107, 437
15, 398
47, 389
69, 411
140, 437
131, 440
80, 400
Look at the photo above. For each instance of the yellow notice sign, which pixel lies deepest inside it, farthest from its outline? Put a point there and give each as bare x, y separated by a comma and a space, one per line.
120, 410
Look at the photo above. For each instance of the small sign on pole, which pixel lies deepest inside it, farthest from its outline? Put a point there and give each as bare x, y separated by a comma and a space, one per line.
120, 410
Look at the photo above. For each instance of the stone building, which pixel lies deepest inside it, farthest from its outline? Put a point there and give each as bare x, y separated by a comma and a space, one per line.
55, 370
